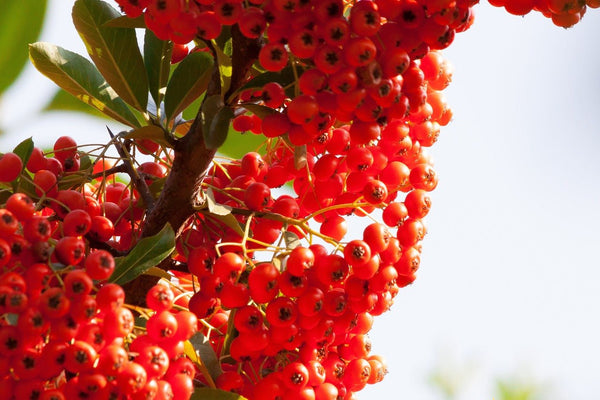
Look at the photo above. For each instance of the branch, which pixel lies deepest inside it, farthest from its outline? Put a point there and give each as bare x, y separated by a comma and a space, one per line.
192, 159
138, 182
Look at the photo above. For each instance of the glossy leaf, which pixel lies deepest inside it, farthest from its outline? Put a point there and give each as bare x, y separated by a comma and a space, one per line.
78, 76
210, 108
125, 22
24, 150
205, 393
151, 132
157, 58
64, 101
284, 77
147, 253
20, 24
203, 354
189, 80
258, 109
114, 50
216, 135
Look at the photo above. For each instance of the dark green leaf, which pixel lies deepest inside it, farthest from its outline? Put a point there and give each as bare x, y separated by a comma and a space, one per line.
4, 195
206, 354
72, 180
114, 50
189, 80
85, 162
210, 108
205, 393
215, 136
146, 254
157, 58
151, 132
24, 150
258, 110
78, 76
64, 101
125, 22
284, 77
20, 24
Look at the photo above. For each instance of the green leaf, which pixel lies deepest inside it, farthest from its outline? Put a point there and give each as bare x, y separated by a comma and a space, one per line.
191, 111
225, 67
258, 109
20, 24
206, 355
189, 80
114, 50
125, 22
216, 135
205, 393
64, 101
152, 132
159, 273
210, 108
157, 58
284, 77
78, 76
291, 240
72, 180
222, 213
146, 254
24, 150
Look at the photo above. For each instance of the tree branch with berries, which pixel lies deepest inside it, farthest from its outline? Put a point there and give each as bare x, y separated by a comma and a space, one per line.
211, 256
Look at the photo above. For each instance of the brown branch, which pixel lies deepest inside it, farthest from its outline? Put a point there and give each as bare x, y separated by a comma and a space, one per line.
192, 158
138, 182
245, 53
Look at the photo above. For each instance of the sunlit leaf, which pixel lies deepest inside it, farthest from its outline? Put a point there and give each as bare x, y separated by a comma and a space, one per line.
79, 76
222, 213
114, 50
147, 253
225, 67
189, 80
157, 58
20, 24
291, 240
64, 101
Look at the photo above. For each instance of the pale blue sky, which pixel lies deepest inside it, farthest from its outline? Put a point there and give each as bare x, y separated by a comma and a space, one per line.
510, 275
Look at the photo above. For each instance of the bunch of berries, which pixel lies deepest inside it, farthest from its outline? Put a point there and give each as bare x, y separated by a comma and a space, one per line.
65, 332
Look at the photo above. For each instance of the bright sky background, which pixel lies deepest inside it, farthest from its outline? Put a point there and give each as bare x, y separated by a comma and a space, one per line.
509, 283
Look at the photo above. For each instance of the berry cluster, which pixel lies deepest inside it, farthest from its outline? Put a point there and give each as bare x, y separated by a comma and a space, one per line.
65, 333
563, 13
348, 97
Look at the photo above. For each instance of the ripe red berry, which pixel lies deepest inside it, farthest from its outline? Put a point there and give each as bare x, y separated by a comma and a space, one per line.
10, 167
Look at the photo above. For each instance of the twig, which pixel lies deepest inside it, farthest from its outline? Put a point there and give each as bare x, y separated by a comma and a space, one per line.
138, 182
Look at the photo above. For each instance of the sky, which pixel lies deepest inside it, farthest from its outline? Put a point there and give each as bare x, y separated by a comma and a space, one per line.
509, 284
